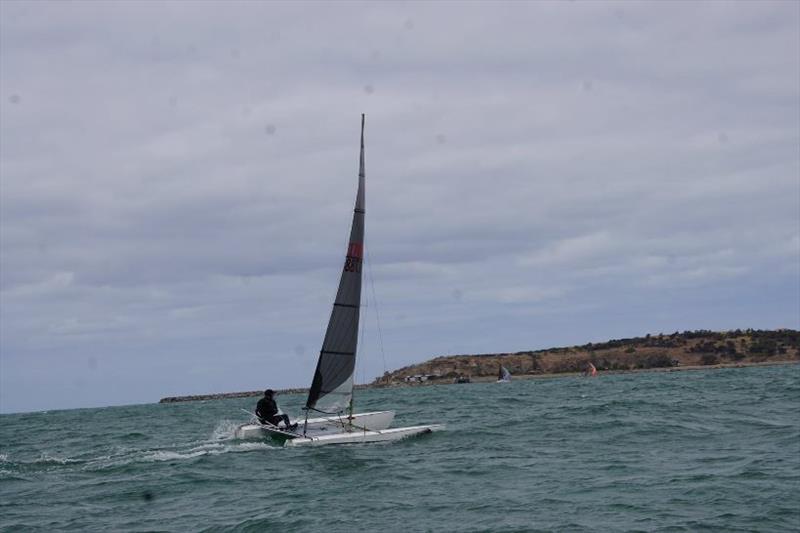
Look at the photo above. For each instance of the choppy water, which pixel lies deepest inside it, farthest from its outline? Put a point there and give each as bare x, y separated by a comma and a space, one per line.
685, 451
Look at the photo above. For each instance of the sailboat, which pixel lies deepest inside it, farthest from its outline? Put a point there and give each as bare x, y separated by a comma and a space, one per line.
503, 376
330, 398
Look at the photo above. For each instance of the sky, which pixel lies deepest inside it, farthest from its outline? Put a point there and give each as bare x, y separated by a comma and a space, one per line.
177, 182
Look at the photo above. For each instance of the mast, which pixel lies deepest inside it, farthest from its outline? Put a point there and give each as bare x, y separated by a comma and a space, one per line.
332, 387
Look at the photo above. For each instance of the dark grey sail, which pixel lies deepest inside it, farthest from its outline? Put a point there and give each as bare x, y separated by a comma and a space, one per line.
332, 388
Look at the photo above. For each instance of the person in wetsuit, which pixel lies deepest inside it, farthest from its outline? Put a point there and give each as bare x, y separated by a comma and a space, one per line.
267, 411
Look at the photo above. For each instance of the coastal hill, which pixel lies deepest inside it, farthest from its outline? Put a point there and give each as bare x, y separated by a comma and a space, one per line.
675, 351
689, 348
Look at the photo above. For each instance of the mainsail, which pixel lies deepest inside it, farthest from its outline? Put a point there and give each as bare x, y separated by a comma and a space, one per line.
332, 388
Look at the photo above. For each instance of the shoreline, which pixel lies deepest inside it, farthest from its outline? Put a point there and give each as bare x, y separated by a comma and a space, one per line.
481, 379
489, 379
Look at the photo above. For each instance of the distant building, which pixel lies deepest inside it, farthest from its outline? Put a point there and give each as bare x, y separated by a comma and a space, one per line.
418, 378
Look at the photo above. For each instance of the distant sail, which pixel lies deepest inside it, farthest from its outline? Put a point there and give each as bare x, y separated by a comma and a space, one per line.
332, 387
503, 375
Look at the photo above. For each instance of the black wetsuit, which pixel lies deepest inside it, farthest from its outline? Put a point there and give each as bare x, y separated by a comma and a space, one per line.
267, 411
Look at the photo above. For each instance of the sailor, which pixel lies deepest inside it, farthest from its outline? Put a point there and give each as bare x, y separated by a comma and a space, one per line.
268, 413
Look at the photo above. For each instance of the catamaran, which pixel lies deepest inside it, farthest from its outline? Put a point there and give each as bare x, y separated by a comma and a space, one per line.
330, 398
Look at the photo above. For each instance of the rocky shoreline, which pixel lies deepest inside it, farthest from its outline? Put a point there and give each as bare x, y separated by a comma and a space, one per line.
476, 379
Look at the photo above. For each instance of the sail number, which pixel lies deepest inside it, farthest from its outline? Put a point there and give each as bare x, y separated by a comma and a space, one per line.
352, 264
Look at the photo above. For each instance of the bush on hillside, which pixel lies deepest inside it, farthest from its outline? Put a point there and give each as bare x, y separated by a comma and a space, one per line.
709, 359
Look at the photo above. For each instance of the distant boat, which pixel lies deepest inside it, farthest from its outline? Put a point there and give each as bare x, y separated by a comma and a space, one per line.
331, 392
503, 376
461, 379
590, 371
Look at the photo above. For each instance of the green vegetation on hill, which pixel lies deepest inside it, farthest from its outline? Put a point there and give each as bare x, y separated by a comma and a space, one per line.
689, 348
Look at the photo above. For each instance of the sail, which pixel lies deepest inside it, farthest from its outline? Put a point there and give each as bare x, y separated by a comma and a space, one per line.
503, 374
332, 387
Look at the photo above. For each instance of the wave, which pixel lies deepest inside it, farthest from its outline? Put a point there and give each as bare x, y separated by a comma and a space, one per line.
204, 449
19, 469
225, 430
47, 459
125, 456
10, 475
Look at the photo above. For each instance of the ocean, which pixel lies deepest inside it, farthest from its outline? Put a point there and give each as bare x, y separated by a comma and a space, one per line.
710, 450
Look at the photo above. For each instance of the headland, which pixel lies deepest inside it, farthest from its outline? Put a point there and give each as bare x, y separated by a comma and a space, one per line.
678, 351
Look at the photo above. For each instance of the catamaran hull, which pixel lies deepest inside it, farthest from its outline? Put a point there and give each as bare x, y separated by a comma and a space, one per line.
377, 420
361, 437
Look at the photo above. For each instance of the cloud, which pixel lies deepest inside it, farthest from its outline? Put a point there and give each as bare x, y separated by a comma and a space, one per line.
176, 181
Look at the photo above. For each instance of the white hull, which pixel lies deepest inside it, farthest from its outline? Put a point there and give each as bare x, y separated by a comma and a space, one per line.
359, 437
373, 421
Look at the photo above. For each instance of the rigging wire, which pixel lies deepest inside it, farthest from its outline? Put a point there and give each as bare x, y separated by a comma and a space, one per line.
377, 314
359, 360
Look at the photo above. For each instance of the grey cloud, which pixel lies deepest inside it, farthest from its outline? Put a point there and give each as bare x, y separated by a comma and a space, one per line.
176, 181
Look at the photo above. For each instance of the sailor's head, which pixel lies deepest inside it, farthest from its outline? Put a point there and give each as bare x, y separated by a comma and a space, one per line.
269, 393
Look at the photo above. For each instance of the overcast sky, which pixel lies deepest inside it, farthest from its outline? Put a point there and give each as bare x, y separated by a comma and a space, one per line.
178, 179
